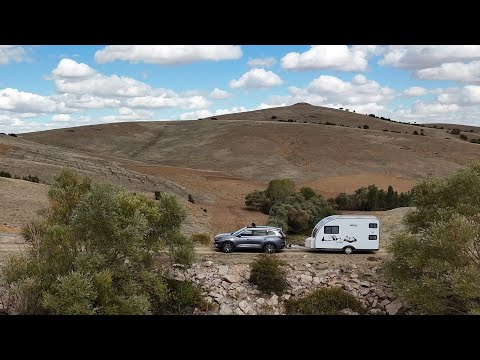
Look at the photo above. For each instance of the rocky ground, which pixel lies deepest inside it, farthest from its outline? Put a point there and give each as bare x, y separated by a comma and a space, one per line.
228, 291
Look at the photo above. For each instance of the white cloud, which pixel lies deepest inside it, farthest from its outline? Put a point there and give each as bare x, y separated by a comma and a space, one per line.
335, 57
74, 101
220, 94
452, 71
262, 62
415, 91
361, 95
61, 117
24, 102
158, 102
68, 68
194, 115
426, 56
359, 79
9, 53
256, 78
127, 114
168, 54
466, 96
433, 108
101, 85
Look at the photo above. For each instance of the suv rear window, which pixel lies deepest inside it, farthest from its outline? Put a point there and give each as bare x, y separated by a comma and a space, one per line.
270, 232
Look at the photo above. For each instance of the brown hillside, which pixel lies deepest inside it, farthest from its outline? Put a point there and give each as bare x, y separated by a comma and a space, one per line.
219, 161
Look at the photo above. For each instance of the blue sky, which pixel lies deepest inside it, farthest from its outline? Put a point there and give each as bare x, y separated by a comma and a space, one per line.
46, 87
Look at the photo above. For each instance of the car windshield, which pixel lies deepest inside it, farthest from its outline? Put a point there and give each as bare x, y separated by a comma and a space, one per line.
235, 233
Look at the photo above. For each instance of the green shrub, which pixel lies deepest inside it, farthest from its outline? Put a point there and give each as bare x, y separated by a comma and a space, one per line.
258, 200
455, 131
93, 253
5, 174
181, 299
307, 192
31, 178
463, 137
203, 238
267, 273
324, 301
434, 265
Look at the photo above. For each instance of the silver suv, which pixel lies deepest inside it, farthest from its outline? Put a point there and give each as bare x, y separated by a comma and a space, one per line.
267, 238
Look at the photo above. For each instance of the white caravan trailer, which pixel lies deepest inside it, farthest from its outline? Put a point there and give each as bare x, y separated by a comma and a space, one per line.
346, 233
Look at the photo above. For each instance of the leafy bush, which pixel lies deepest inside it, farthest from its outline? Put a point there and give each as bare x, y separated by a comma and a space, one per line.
31, 178
463, 137
324, 301
258, 200
415, 132
267, 273
280, 189
440, 246
307, 192
93, 253
5, 174
203, 238
366, 126
455, 131
182, 297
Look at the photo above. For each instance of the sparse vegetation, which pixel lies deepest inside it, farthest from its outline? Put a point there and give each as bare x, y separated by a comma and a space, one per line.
415, 132
5, 174
93, 252
366, 126
182, 297
435, 264
330, 123
12, 134
190, 199
324, 301
214, 118
371, 199
268, 274
202, 238
385, 130
158, 195
31, 178
274, 117
290, 120
455, 131
463, 137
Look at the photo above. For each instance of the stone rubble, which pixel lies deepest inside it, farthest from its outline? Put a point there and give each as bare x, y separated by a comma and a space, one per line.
227, 291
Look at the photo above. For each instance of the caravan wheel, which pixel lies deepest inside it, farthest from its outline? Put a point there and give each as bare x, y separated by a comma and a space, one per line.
348, 250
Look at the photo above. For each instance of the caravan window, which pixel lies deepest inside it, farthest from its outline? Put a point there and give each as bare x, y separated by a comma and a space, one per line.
331, 229
373, 225
372, 237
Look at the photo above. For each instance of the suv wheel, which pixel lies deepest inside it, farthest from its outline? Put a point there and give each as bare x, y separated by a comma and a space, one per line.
227, 247
269, 248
